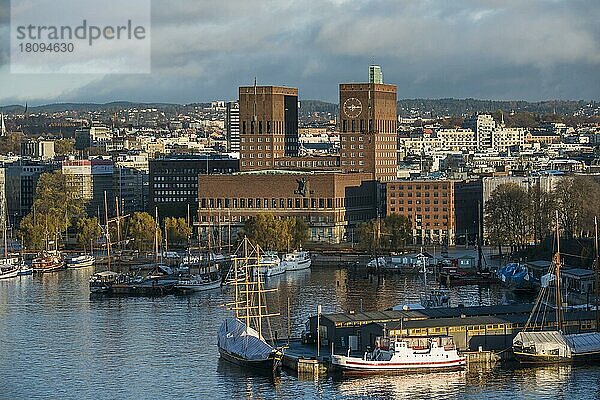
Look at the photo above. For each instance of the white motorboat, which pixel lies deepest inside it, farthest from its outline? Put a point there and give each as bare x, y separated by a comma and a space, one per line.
377, 263
8, 271
296, 260
198, 283
269, 265
81, 261
403, 355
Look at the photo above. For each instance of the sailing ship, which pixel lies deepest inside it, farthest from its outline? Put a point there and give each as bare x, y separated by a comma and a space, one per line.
554, 346
240, 339
403, 355
296, 260
9, 266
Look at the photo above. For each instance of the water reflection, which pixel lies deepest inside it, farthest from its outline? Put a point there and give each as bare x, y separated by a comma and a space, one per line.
409, 386
57, 342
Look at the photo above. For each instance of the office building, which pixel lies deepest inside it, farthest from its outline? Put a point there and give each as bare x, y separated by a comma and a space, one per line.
173, 181
428, 205
90, 179
41, 149
375, 74
232, 126
483, 125
21, 181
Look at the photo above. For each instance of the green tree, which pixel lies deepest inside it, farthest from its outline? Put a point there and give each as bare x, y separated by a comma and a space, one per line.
300, 232
88, 231
399, 229
55, 208
63, 147
373, 235
11, 143
273, 233
178, 230
142, 229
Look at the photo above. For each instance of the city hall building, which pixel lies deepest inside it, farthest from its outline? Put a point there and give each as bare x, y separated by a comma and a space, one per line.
332, 204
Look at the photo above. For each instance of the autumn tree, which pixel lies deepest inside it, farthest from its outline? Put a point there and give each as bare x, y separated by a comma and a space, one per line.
273, 233
142, 229
178, 231
63, 147
399, 229
56, 207
88, 231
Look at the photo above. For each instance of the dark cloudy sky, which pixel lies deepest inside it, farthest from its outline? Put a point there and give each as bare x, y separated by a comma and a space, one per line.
203, 50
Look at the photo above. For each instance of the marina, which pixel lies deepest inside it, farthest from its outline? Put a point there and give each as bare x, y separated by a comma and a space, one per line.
187, 327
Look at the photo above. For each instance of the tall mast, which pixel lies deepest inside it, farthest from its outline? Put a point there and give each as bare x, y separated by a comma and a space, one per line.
118, 222
107, 233
4, 222
479, 238
258, 293
596, 267
557, 262
208, 249
156, 230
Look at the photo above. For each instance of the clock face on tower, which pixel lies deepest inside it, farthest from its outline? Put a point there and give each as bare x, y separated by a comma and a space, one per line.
352, 107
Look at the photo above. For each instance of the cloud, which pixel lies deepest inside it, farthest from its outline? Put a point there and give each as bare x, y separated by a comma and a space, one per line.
464, 48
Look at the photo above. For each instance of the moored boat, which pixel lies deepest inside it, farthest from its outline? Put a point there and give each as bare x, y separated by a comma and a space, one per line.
269, 265
532, 346
198, 283
101, 282
296, 260
404, 355
517, 276
25, 270
240, 339
9, 271
48, 262
81, 261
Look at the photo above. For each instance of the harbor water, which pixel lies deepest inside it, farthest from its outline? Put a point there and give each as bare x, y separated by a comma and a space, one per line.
57, 342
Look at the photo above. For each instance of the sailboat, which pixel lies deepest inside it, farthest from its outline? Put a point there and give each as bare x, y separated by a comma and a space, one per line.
554, 346
240, 338
9, 266
208, 277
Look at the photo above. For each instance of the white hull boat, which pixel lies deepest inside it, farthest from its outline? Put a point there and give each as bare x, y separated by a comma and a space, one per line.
9, 272
269, 265
82, 261
296, 261
197, 283
402, 357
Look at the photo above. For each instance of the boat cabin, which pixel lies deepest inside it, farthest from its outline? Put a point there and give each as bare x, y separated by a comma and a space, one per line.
578, 280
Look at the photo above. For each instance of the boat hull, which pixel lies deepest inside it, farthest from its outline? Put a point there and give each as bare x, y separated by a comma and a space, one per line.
9, 274
51, 268
357, 366
84, 264
268, 365
198, 287
545, 359
297, 266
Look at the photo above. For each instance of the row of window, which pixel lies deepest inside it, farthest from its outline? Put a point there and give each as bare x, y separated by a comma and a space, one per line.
419, 186
274, 203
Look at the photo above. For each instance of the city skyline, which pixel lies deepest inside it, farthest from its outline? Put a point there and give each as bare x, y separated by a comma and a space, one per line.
469, 49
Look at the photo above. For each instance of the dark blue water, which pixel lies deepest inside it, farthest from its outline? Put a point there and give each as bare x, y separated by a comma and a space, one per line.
55, 342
